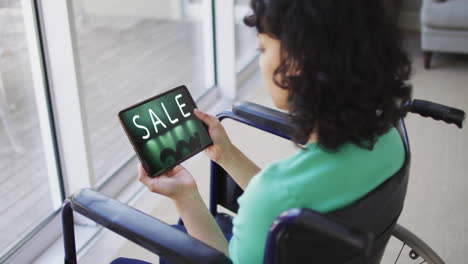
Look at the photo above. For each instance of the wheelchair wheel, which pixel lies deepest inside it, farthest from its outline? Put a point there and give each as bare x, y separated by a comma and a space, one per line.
418, 251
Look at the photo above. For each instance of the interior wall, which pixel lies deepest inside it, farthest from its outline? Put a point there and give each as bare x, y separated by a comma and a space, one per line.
410, 15
411, 5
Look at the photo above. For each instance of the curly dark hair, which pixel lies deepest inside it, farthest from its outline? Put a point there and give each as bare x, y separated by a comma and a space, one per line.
353, 69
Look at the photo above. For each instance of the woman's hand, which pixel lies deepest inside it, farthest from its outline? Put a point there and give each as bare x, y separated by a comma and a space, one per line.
177, 184
222, 146
223, 152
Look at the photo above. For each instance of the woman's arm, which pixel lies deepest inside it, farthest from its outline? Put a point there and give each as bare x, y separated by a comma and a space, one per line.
239, 166
200, 223
179, 185
228, 156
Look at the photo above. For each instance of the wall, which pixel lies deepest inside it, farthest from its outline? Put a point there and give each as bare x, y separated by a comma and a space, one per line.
409, 16
411, 5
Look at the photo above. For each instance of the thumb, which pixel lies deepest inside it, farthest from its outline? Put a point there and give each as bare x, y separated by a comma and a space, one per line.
209, 120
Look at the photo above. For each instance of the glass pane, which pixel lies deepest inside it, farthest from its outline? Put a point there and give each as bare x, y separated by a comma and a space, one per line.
129, 51
246, 37
25, 196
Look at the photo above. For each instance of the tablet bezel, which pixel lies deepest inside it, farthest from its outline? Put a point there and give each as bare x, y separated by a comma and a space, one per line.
138, 151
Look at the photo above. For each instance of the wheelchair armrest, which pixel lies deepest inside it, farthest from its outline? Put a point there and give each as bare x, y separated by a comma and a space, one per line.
264, 116
144, 230
261, 117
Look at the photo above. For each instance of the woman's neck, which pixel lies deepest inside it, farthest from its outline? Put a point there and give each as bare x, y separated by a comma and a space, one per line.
313, 138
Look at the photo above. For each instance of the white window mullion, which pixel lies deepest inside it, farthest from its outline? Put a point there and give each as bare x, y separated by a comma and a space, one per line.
45, 122
208, 43
225, 48
64, 80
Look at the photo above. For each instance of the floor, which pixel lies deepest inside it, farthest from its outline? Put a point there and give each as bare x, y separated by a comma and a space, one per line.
435, 207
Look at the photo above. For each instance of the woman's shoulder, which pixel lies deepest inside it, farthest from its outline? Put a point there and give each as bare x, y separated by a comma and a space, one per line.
312, 160
292, 168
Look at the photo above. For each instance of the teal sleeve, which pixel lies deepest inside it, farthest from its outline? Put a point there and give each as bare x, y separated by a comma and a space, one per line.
257, 210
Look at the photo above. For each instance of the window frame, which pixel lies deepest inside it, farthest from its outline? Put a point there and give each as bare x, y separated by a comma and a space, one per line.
55, 63
47, 229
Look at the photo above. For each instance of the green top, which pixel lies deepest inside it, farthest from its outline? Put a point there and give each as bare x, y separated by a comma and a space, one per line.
311, 178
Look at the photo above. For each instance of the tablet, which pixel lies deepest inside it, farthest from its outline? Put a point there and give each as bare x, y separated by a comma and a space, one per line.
164, 131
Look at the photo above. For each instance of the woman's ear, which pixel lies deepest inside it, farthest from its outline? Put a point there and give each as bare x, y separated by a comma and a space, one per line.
294, 69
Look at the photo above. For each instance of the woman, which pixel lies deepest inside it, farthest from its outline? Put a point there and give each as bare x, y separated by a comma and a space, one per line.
338, 67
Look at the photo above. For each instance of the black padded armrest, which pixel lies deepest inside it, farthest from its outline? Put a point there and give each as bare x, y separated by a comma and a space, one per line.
144, 230
263, 116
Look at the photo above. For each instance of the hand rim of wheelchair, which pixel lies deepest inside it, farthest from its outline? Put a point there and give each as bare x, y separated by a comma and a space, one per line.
417, 245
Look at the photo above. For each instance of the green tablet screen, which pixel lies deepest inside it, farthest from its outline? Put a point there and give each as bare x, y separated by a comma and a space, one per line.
164, 131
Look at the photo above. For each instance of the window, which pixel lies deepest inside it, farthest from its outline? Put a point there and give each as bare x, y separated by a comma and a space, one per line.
28, 176
67, 68
129, 51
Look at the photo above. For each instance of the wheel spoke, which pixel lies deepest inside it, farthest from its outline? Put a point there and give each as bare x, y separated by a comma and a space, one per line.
400, 253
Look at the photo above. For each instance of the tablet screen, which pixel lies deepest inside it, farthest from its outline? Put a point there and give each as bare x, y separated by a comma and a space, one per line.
164, 131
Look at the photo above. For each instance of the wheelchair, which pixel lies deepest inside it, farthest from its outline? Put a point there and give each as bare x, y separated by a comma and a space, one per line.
357, 233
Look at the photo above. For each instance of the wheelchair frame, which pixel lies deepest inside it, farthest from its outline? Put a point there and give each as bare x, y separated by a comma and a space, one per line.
179, 247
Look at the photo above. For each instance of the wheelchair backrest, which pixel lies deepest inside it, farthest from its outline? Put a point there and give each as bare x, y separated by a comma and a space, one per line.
374, 214
303, 235
357, 233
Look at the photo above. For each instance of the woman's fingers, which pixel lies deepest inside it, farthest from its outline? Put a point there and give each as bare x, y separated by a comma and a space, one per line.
141, 171
175, 183
175, 170
144, 178
209, 120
